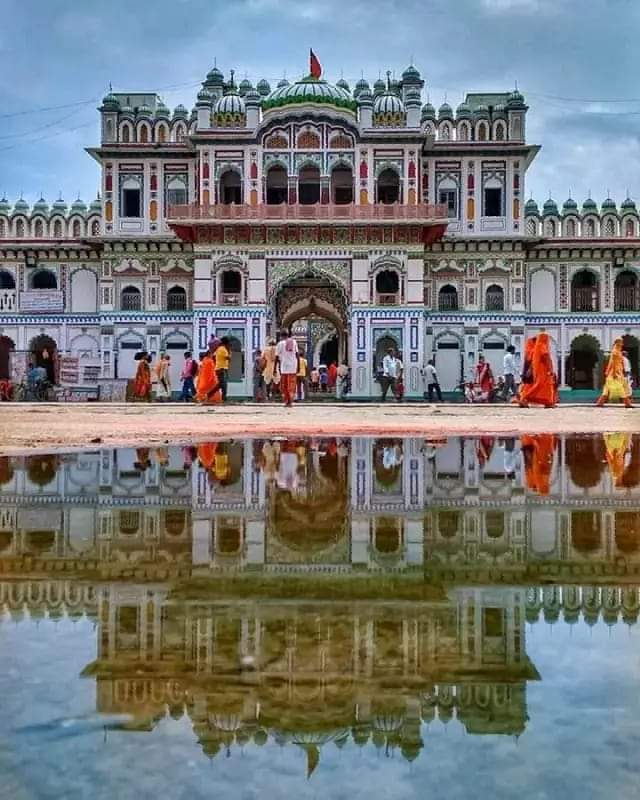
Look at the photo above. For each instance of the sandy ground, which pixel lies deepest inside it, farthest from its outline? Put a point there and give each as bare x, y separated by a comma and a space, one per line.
27, 427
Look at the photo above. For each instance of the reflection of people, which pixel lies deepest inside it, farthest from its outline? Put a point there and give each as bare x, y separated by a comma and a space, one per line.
616, 386
288, 468
391, 457
538, 452
207, 385
510, 457
543, 388
617, 446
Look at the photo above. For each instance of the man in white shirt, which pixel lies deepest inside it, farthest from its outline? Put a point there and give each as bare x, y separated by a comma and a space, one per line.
287, 359
391, 367
431, 382
509, 371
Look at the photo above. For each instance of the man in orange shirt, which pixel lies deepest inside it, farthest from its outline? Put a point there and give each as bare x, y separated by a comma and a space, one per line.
223, 358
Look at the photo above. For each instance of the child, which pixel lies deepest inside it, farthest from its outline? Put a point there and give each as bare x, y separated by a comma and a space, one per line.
315, 380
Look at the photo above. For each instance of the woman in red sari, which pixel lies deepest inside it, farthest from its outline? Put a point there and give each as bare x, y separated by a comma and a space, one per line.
207, 383
142, 383
483, 380
543, 389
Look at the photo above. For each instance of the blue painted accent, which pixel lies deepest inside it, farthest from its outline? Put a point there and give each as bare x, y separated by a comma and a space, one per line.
362, 357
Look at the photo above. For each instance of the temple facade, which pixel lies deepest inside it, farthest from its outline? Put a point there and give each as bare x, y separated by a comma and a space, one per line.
358, 216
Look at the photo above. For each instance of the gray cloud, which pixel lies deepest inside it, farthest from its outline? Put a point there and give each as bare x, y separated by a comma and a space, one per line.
550, 47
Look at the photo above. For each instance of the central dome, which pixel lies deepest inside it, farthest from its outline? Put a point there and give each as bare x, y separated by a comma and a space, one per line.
310, 90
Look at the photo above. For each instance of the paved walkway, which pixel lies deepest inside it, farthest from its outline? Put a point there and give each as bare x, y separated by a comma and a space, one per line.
49, 426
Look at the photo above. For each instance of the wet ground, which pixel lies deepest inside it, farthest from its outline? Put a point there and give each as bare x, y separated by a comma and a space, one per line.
328, 617
49, 426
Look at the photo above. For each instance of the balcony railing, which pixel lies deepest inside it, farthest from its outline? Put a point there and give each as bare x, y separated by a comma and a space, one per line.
351, 212
626, 298
585, 300
8, 300
387, 298
448, 302
230, 299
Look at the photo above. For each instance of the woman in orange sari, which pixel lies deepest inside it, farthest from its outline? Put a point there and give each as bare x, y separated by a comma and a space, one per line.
142, 383
207, 383
543, 389
616, 386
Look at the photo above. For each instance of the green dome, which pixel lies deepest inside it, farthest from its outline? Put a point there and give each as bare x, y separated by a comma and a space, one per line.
515, 99
215, 77
411, 75
180, 112
550, 208
428, 112
282, 83
463, 111
609, 205
143, 111
40, 207
204, 98
379, 87
481, 111
342, 84
361, 86
245, 86
499, 111
445, 111
309, 91
60, 207
110, 103
95, 206
78, 207
263, 87
5, 205
628, 205
589, 206
126, 111
569, 206
21, 206
162, 112
531, 207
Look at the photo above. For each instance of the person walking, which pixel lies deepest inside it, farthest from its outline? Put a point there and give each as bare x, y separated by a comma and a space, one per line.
483, 380
269, 369
222, 357
142, 383
389, 375
431, 382
509, 372
342, 381
543, 387
258, 379
187, 376
287, 355
627, 369
616, 385
315, 380
301, 377
163, 387
332, 375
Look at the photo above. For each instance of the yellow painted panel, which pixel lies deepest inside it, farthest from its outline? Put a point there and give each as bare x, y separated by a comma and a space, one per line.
153, 210
108, 211
253, 197
364, 197
471, 208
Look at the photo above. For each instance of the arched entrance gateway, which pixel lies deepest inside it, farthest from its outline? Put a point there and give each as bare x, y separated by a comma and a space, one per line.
314, 306
584, 363
44, 353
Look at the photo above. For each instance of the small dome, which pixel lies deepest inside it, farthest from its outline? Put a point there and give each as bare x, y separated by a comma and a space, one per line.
126, 111
282, 83
481, 111
589, 206
531, 207
342, 84
95, 206
21, 206
499, 111
550, 208
361, 86
395, 87
245, 86
78, 207
515, 98
40, 207
411, 75
215, 77
463, 111
59, 206
180, 112
110, 103
263, 87
143, 110
5, 205
428, 112
569, 206
445, 111
609, 205
628, 206
379, 87
388, 110
230, 111
162, 112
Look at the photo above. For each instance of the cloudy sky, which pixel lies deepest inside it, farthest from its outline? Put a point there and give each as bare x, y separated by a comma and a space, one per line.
577, 64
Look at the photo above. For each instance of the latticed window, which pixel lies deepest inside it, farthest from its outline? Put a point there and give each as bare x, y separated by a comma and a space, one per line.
308, 140
131, 299
129, 522
176, 299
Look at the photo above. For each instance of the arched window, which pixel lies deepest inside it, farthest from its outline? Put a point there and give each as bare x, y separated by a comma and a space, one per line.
230, 187
448, 196
481, 135
180, 132
445, 132
276, 186
626, 291
342, 185
176, 299
388, 187
161, 133
38, 229
131, 299
500, 131
309, 186
585, 291
20, 228
448, 298
3, 229
44, 279
129, 522
131, 198
6, 280
629, 229
532, 227
494, 524
463, 132
95, 227
493, 198
176, 191
494, 298
590, 228
230, 287
308, 140
571, 228
77, 229
57, 229
143, 134
125, 134
387, 287
549, 227
610, 228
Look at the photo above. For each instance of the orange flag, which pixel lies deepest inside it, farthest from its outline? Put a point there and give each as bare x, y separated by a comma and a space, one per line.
315, 68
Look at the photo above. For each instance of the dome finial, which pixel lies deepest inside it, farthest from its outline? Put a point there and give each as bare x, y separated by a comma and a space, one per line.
388, 80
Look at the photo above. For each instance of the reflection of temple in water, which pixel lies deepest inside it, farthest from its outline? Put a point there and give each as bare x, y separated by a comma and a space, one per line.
465, 510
